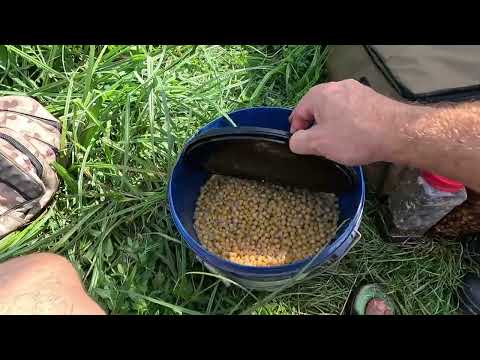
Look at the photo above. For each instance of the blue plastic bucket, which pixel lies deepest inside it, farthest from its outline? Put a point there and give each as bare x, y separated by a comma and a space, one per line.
184, 188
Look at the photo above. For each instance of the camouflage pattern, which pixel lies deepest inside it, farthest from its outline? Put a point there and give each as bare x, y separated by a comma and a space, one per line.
23, 191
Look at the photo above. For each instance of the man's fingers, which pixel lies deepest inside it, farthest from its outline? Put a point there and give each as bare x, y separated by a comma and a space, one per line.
302, 117
300, 142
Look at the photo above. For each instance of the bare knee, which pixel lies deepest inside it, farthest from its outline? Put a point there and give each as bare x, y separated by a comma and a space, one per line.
50, 261
46, 283
33, 268
45, 259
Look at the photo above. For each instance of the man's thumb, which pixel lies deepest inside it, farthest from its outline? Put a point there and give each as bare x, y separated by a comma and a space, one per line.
300, 142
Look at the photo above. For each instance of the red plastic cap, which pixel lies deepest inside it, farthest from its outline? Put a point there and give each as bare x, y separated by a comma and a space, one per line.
441, 183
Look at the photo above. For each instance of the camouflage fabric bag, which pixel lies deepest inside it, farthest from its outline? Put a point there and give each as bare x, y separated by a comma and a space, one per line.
29, 142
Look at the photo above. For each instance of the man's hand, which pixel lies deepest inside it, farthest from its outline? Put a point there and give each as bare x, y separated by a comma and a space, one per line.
352, 124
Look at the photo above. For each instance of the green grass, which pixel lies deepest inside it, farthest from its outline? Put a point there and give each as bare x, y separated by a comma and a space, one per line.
126, 113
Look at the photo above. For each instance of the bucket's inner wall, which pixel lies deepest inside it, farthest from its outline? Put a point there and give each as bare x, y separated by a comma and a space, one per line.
187, 180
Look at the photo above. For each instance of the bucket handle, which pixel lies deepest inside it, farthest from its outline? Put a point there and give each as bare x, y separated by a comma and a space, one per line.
358, 236
214, 271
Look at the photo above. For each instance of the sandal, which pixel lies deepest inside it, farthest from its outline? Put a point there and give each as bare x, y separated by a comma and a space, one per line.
366, 293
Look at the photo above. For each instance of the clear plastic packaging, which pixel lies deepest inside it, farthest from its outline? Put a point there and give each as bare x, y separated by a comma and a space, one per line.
420, 200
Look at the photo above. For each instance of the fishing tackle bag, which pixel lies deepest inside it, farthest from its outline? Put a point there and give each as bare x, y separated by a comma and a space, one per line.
29, 143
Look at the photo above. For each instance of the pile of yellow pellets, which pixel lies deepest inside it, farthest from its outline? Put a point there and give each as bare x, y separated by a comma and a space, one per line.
261, 224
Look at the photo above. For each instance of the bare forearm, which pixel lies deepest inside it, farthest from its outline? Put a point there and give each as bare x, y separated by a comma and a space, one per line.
444, 139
